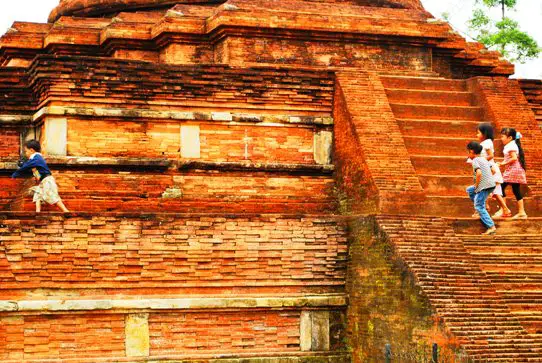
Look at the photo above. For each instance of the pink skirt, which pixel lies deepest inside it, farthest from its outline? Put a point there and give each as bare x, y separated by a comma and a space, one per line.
514, 173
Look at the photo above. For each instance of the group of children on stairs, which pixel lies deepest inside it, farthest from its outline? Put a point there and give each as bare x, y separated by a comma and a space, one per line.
488, 179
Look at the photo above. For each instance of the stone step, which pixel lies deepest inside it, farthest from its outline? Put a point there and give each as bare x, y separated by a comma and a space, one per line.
451, 185
438, 146
438, 128
441, 165
430, 97
462, 207
84, 203
432, 112
507, 227
424, 83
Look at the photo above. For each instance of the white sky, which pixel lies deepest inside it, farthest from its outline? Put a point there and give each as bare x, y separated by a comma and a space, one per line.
529, 13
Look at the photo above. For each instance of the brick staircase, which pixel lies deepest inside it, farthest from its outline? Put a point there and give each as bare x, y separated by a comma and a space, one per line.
438, 117
532, 88
452, 271
512, 262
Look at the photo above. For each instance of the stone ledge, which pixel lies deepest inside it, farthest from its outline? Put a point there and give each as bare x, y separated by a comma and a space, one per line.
180, 115
173, 304
8, 165
290, 357
15, 120
105, 161
315, 218
85, 161
248, 166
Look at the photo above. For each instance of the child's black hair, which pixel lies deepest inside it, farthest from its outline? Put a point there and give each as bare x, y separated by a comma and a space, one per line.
486, 129
508, 131
34, 145
474, 146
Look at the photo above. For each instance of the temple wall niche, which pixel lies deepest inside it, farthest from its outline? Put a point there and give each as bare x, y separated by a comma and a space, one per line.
219, 142
241, 51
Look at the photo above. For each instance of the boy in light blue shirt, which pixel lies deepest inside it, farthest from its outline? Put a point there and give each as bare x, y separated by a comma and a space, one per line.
484, 184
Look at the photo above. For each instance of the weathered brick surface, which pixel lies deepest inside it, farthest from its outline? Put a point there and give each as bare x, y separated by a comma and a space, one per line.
460, 292
532, 88
90, 252
191, 191
14, 92
61, 336
186, 33
241, 51
140, 83
110, 56
386, 306
506, 106
372, 122
218, 141
95, 7
9, 143
183, 333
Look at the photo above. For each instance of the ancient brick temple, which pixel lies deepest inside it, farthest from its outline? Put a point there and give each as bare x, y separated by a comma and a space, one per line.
260, 181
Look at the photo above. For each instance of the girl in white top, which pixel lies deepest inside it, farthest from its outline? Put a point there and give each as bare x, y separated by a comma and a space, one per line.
485, 135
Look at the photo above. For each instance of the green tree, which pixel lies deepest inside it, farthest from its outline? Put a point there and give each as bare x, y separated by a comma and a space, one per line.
503, 35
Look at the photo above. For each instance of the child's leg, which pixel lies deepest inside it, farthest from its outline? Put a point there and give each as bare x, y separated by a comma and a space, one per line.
517, 193
471, 191
480, 205
38, 206
497, 194
62, 207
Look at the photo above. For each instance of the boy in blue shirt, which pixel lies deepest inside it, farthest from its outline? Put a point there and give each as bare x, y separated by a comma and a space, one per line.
47, 190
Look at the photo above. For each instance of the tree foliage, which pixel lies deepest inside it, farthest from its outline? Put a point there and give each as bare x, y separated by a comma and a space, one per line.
503, 35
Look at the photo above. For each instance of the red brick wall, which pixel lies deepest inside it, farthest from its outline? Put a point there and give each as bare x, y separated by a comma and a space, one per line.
9, 189
218, 142
241, 51
229, 192
9, 143
15, 95
532, 89
358, 193
380, 142
189, 252
61, 336
232, 332
120, 82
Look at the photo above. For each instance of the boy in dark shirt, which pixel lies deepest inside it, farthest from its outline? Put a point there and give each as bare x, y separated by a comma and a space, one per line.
47, 190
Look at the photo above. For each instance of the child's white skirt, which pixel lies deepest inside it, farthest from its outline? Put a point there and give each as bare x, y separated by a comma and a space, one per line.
497, 174
46, 191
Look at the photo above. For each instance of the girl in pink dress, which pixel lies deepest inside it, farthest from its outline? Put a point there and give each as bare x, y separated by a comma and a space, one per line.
514, 167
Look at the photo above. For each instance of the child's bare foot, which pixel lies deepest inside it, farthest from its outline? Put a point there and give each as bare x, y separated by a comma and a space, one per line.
62, 207
520, 216
490, 231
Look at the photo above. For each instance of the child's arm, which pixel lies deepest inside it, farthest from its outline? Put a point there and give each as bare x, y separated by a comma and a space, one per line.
478, 178
513, 157
26, 167
490, 155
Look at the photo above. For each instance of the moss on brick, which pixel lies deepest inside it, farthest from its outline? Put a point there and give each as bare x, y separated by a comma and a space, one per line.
386, 307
